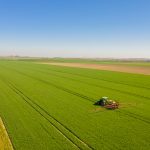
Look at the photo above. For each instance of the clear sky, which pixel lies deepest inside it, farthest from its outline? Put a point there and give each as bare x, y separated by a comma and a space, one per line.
75, 28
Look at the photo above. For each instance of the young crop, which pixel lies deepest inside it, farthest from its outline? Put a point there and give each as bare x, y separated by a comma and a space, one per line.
51, 107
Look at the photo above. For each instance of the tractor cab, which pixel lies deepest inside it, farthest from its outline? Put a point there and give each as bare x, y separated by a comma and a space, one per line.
102, 101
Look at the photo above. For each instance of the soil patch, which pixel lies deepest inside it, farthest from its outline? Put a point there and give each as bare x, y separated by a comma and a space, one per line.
118, 68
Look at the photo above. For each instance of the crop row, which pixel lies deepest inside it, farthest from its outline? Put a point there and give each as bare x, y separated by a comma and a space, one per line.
81, 94
70, 102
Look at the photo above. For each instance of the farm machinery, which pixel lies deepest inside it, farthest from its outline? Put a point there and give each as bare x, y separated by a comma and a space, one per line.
107, 103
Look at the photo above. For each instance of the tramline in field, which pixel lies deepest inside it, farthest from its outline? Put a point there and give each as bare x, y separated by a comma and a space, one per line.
51, 107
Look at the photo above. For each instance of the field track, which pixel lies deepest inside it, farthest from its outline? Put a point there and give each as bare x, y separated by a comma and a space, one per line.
114, 67
51, 107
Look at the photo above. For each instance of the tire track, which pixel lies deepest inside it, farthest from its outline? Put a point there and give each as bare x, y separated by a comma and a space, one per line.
81, 95
74, 93
5, 137
65, 89
117, 90
89, 98
56, 86
97, 78
135, 116
42, 111
95, 85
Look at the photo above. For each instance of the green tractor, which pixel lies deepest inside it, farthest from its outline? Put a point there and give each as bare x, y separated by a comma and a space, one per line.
102, 101
109, 104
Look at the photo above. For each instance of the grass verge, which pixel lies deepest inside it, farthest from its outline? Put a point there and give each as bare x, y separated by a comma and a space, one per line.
5, 143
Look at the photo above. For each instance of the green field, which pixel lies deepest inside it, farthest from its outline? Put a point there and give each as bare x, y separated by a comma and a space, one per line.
48, 107
132, 62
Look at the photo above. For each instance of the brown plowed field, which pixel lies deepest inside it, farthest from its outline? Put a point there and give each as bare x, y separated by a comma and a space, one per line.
118, 68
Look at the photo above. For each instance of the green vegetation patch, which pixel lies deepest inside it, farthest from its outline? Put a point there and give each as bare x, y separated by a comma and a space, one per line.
51, 107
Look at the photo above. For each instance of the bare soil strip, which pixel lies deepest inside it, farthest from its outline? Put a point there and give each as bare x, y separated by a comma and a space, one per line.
5, 143
118, 68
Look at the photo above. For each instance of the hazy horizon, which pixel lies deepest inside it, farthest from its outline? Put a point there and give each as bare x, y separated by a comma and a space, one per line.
86, 29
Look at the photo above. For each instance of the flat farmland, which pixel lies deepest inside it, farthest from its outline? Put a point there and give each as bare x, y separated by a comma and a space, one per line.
111, 67
46, 107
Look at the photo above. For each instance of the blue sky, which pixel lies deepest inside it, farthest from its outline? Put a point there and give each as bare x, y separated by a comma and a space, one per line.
75, 28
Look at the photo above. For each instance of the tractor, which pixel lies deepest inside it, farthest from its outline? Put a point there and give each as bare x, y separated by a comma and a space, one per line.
108, 104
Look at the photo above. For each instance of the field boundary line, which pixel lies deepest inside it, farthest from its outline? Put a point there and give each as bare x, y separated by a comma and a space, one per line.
95, 78
71, 92
120, 91
134, 116
4, 135
81, 95
24, 97
104, 67
91, 99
